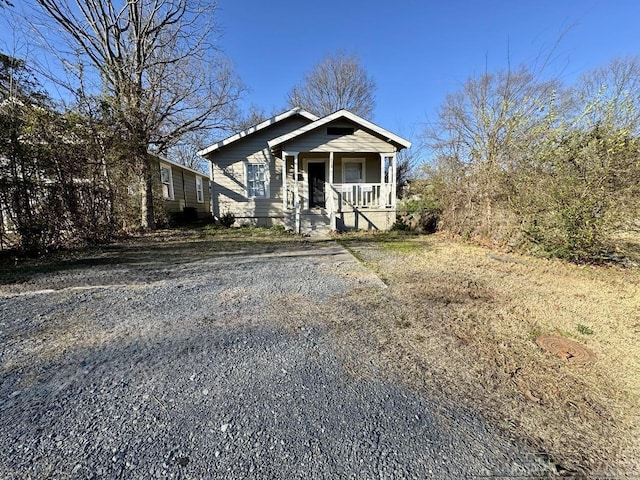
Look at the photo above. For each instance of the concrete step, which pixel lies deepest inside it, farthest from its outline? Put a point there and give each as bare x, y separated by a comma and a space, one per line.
310, 223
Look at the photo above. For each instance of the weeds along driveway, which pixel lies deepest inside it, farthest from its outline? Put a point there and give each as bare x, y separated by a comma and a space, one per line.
167, 361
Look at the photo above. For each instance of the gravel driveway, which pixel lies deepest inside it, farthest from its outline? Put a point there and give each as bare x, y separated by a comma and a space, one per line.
169, 363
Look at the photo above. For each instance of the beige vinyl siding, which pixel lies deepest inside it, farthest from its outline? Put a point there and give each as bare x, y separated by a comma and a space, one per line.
317, 140
184, 192
229, 173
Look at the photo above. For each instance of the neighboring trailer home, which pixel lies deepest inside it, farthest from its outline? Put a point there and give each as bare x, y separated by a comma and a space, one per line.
339, 173
185, 191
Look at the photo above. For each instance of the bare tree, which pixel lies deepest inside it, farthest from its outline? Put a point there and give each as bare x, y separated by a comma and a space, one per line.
407, 162
481, 135
185, 151
245, 120
339, 81
613, 93
156, 69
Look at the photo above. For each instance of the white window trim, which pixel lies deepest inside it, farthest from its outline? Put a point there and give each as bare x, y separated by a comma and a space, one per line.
362, 161
267, 192
199, 191
171, 195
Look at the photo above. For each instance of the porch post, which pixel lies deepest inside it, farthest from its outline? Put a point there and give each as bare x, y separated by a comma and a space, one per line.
332, 207
296, 199
382, 202
211, 204
285, 193
394, 166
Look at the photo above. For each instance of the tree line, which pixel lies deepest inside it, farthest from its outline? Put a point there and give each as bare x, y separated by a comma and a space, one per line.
531, 163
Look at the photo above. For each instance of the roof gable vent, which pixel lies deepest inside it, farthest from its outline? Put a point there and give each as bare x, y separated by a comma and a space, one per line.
340, 130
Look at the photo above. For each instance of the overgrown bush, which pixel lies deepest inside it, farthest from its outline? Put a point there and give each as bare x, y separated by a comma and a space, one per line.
421, 211
400, 225
227, 220
521, 161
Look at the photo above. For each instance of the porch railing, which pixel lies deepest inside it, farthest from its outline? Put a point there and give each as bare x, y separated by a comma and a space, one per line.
360, 195
363, 194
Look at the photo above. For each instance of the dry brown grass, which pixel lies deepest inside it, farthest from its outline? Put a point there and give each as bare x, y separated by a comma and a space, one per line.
462, 320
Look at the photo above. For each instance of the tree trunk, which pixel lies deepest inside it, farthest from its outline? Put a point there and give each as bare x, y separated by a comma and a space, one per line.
147, 214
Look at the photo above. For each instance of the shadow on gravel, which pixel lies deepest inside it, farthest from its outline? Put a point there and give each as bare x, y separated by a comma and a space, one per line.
242, 401
142, 261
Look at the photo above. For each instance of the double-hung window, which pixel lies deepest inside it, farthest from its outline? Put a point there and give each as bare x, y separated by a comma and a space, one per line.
199, 190
257, 180
353, 170
167, 182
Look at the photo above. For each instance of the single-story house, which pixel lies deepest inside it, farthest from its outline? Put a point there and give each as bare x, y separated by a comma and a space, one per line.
185, 191
337, 172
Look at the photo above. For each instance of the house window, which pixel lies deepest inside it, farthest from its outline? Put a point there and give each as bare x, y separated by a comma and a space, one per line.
199, 191
256, 180
353, 170
167, 182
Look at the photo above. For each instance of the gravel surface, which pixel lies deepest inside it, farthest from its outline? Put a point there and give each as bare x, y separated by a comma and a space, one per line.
166, 364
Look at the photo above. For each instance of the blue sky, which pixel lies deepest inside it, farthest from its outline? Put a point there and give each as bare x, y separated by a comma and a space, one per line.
418, 51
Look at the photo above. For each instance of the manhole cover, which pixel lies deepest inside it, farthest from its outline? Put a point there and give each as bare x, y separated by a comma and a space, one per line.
568, 350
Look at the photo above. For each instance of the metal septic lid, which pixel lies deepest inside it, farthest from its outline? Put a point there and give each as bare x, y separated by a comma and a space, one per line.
568, 350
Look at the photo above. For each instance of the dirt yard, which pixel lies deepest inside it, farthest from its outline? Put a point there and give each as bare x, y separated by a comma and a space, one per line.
464, 320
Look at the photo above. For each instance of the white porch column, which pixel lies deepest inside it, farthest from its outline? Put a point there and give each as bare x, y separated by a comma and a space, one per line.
211, 193
285, 193
392, 177
382, 202
296, 199
332, 207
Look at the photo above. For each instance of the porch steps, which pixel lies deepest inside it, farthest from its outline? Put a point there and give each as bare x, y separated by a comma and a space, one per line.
315, 223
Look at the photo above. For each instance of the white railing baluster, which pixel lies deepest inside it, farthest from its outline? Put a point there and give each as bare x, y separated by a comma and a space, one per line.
363, 194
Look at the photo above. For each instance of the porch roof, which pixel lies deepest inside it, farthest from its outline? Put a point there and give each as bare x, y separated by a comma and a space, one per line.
294, 111
386, 134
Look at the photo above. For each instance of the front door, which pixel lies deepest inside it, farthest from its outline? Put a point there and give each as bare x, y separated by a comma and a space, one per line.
316, 173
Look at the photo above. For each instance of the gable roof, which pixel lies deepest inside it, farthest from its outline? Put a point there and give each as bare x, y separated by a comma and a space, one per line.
389, 136
273, 120
179, 165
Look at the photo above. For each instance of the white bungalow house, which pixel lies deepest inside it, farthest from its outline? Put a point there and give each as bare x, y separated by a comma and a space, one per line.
310, 174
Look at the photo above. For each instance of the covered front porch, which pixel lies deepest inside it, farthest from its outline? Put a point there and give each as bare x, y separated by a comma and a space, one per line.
339, 190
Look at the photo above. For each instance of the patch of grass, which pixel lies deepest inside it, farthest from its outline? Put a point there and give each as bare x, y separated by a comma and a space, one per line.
475, 321
373, 237
402, 247
584, 330
534, 333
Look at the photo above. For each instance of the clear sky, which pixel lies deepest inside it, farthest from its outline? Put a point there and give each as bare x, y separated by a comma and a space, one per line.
418, 51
